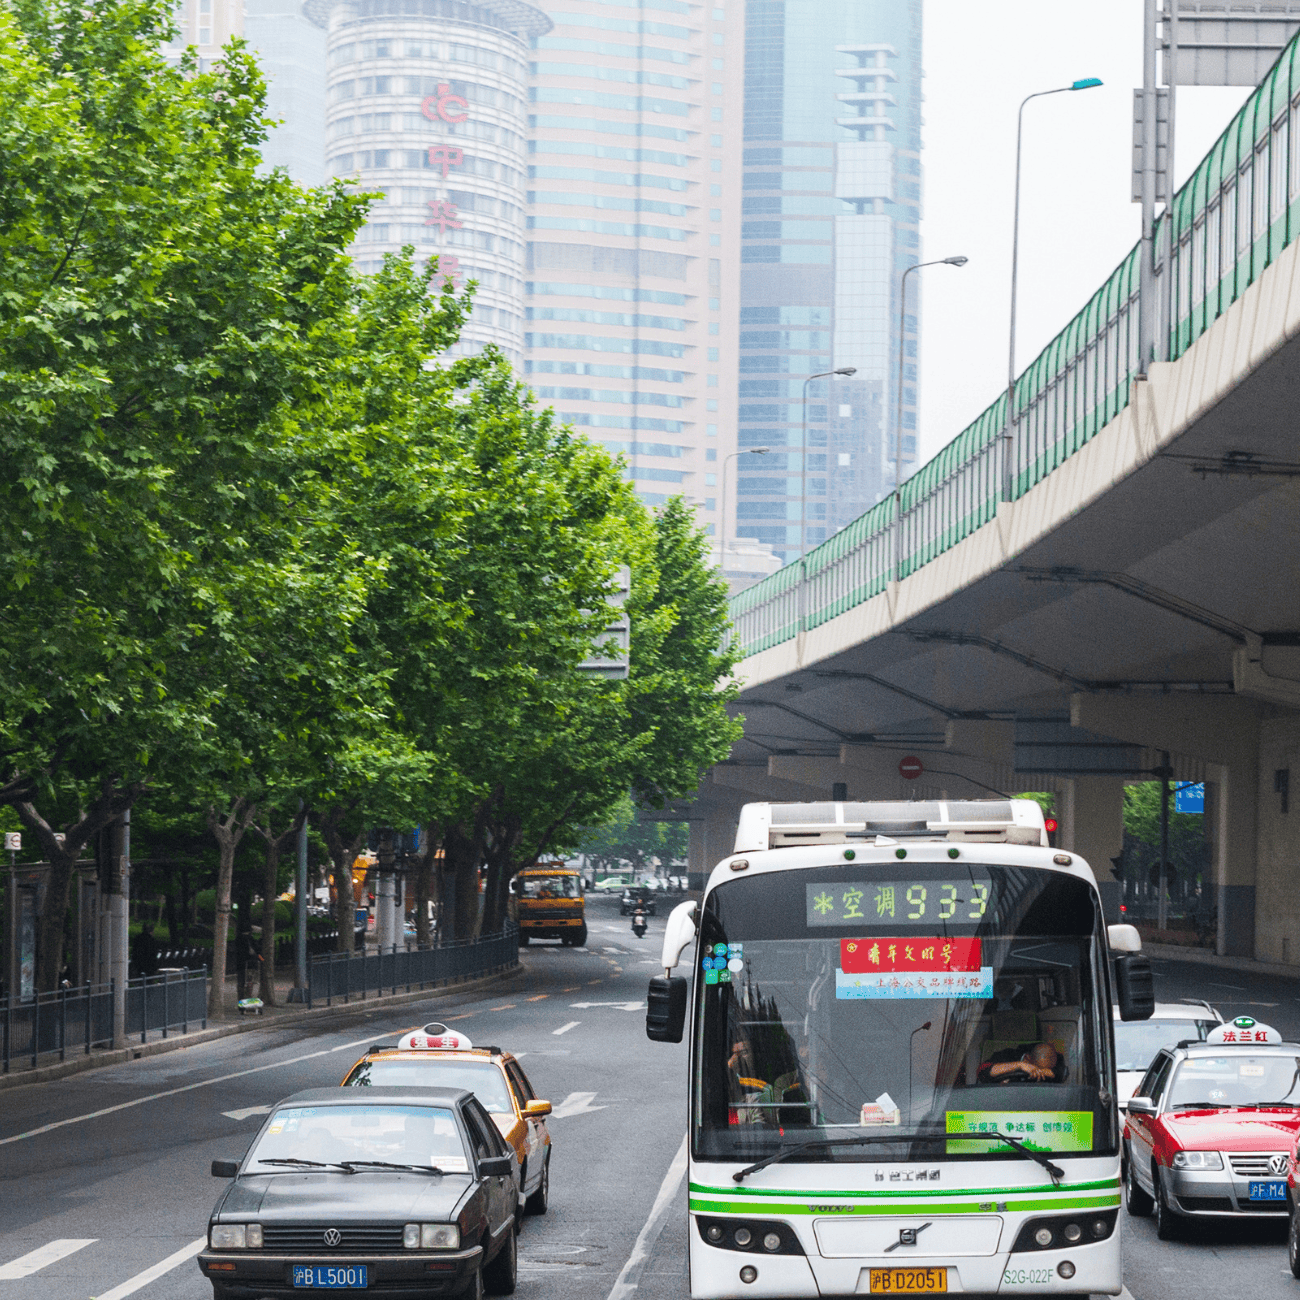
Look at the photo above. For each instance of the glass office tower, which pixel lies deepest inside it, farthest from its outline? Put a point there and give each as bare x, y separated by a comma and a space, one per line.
831, 210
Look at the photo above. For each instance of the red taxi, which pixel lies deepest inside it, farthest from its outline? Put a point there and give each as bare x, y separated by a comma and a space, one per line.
1212, 1128
436, 1056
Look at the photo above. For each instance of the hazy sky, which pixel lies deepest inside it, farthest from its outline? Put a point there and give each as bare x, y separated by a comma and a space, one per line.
1076, 220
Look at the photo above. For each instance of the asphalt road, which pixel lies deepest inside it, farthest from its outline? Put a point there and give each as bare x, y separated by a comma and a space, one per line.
103, 1203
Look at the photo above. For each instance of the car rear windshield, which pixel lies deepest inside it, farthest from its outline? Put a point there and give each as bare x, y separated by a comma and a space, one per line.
1138, 1041
482, 1078
407, 1135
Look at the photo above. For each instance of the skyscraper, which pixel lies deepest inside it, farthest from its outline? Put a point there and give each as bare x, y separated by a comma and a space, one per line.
831, 210
633, 223
426, 105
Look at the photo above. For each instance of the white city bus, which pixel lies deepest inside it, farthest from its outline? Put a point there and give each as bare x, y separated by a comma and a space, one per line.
902, 1073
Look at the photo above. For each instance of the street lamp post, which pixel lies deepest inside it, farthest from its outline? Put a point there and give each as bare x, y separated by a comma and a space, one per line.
803, 460
898, 415
1087, 83
726, 460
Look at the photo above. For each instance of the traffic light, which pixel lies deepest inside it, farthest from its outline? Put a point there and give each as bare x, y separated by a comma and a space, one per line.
1051, 824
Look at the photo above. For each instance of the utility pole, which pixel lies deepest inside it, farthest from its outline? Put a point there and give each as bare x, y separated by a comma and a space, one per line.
299, 991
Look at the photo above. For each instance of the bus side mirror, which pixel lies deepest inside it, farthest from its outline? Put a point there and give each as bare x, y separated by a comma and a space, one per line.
1135, 986
665, 1014
679, 931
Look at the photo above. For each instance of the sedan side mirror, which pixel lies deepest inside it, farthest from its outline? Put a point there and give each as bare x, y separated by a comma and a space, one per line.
1141, 1106
1135, 986
537, 1109
225, 1168
496, 1167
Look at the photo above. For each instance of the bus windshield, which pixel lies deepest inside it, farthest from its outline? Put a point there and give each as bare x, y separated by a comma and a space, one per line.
913, 1002
566, 886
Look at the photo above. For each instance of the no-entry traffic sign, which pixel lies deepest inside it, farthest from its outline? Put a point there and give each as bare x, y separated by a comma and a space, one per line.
910, 768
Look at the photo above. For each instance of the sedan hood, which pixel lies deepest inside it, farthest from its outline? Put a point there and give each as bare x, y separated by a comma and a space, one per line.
1240, 1129
345, 1198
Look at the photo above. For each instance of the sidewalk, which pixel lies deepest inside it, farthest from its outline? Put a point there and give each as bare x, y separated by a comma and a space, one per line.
1204, 957
279, 1016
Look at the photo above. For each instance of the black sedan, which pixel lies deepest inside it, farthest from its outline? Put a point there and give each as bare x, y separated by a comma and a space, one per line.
412, 1192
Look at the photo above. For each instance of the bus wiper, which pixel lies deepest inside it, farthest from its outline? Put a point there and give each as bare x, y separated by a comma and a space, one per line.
353, 1165
812, 1146
1036, 1156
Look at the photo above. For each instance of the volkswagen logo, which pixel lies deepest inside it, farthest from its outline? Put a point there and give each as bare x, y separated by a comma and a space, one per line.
333, 1236
1278, 1164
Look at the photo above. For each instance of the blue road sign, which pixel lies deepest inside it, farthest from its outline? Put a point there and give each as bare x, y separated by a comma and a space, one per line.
1190, 799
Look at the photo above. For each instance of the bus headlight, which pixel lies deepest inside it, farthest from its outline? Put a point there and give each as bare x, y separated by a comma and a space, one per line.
1064, 1229
748, 1235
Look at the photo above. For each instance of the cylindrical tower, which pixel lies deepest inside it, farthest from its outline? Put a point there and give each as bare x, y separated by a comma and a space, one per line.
426, 104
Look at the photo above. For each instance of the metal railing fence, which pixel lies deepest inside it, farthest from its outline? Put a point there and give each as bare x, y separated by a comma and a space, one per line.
345, 975
78, 1019
1228, 223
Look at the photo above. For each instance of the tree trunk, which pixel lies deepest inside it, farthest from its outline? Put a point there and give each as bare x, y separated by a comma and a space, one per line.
343, 852
227, 830
62, 857
423, 882
275, 845
462, 852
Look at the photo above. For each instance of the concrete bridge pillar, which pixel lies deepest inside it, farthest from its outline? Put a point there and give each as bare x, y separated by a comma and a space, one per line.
1231, 805
1091, 817
712, 838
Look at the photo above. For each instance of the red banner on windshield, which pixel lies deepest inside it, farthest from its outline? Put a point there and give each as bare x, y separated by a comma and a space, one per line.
863, 956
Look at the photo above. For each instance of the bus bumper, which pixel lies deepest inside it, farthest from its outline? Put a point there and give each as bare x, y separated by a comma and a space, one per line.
1092, 1269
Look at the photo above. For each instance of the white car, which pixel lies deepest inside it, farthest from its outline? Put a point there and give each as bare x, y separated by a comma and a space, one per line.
1138, 1041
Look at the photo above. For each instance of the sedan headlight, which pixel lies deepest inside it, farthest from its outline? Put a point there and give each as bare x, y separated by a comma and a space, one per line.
431, 1236
1197, 1160
235, 1236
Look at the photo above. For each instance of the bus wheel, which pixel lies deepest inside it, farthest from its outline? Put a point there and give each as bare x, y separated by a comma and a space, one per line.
580, 939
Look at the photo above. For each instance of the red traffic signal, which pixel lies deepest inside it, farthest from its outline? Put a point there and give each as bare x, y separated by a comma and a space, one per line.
1050, 824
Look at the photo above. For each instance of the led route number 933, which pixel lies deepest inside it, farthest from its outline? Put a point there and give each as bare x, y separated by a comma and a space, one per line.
890, 901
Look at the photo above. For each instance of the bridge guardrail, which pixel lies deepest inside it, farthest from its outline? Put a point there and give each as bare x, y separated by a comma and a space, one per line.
1226, 225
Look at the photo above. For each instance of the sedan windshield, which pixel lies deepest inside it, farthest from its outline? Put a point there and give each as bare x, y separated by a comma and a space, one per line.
1138, 1041
335, 1135
1222, 1081
482, 1078
857, 1000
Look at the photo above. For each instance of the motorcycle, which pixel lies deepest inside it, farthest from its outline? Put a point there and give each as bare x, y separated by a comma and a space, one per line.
639, 923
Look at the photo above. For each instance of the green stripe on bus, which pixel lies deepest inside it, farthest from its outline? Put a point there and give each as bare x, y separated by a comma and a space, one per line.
984, 1192
700, 1206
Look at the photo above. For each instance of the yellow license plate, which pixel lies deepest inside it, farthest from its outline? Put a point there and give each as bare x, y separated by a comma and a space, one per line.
908, 1281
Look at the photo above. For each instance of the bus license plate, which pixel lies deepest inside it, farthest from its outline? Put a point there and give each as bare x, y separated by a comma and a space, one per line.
1269, 1191
336, 1276
908, 1281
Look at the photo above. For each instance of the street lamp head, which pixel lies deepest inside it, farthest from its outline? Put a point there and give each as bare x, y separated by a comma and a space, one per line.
1086, 84
955, 261
847, 370
757, 451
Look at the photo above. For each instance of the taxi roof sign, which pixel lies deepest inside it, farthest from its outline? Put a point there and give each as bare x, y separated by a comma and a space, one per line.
1244, 1029
434, 1037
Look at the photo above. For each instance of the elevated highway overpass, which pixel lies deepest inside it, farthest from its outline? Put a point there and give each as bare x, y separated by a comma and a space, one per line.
1116, 582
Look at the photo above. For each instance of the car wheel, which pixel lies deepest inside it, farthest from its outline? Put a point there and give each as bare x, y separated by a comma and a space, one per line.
1136, 1201
1166, 1220
1293, 1244
500, 1275
538, 1201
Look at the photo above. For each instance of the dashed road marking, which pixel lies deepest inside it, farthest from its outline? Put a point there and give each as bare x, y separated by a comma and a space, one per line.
44, 1256
539, 997
564, 1029
576, 1103
247, 1112
141, 1280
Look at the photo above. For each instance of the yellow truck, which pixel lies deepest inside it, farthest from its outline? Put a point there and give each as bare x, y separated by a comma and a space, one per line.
549, 904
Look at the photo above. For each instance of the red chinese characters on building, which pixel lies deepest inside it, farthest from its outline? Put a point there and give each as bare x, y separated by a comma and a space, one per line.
440, 107
445, 156
929, 954
449, 269
445, 216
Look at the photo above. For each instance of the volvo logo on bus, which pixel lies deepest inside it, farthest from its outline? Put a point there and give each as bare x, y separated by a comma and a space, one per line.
333, 1236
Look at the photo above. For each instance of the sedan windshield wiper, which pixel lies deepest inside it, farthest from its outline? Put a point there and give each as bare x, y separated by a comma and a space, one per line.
1037, 1157
305, 1164
1202, 1105
353, 1165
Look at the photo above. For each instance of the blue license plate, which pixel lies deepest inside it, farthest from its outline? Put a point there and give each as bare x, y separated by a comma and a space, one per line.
335, 1276
1269, 1191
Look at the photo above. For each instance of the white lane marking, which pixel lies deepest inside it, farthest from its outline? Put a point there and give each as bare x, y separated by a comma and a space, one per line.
246, 1112
564, 1029
141, 1280
50, 1253
618, 950
629, 1279
519, 1056
622, 1006
576, 1103
189, 1087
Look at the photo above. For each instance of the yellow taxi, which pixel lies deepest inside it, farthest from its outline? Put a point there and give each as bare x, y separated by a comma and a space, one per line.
441, 1057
